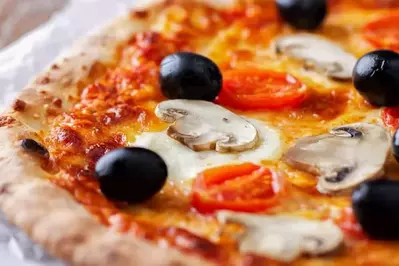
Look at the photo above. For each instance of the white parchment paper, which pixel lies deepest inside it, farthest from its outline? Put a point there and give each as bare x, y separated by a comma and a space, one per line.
18, 64
20, 16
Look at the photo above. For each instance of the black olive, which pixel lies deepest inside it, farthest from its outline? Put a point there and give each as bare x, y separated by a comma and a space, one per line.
303, 14
31, 145
395, 145
376, 78
132, 175
376, 206
190, 76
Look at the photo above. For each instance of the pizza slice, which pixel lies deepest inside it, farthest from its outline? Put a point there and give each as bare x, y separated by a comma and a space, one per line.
202, 133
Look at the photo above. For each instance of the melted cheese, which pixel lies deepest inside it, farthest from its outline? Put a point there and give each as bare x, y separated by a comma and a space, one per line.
184, 163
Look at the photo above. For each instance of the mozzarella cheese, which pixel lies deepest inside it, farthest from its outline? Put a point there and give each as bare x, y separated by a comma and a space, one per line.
184, 164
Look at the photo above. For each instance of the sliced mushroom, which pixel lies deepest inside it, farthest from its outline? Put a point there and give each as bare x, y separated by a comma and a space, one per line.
284, 238
344, 158
202, 125
318, 54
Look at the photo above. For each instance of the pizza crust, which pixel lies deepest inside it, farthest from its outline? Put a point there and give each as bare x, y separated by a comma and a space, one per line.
48, 214
61, 79
52, 218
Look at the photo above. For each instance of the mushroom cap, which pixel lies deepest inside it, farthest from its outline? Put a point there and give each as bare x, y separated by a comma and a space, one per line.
202, 125
317, 53
284, 238
344, 158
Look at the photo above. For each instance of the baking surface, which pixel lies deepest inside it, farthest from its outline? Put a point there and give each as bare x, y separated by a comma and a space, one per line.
20, 61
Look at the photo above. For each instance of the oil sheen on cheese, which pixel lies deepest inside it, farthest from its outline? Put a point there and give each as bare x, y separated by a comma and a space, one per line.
184, 164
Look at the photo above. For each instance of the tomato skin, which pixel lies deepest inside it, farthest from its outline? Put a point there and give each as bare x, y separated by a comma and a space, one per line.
390, 117
383, 32
349, 225
256, 89
217, 189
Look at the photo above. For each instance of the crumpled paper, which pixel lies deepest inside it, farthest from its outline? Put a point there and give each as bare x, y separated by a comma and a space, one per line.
20, 16
17, 249
19, 63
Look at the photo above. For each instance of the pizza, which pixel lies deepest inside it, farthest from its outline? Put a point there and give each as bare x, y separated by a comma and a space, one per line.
214, 133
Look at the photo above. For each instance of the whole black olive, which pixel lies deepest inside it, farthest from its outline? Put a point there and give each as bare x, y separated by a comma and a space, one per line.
303, 14
376, 78
131, 174
376, 204
31, 145
190, 76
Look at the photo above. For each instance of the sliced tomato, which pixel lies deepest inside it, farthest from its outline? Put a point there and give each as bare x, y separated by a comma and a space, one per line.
390, 117
260, 89
349, 225
245, 187
383, 32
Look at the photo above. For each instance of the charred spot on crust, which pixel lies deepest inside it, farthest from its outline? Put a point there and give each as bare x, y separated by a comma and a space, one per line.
43, 80
5, 188
140, 14
30, 145
6, 120
57, 102
55, 67
113, 256
19, 105
176, 263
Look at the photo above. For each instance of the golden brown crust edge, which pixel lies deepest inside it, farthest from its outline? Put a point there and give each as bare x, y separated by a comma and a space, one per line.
62, 79
48, 214
52, 218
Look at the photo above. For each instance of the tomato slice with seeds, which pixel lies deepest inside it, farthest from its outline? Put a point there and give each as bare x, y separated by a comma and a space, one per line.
245, 187
390, 117
383, 32
251, 89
